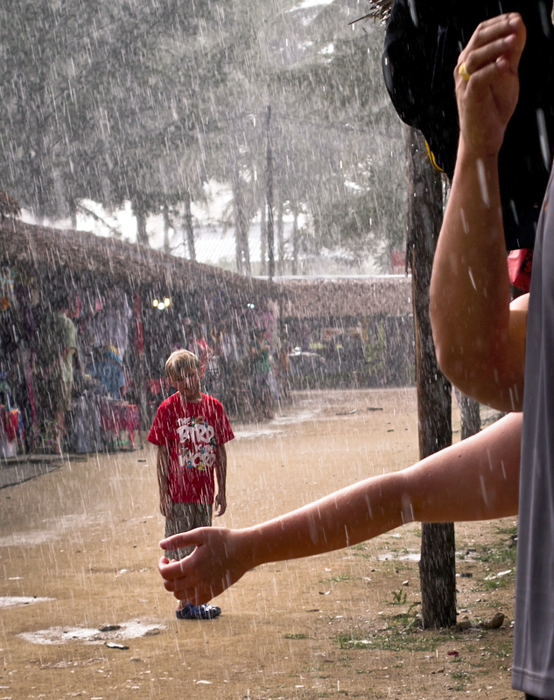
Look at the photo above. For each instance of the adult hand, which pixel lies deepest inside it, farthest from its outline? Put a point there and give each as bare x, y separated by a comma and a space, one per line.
488, 89
215, 564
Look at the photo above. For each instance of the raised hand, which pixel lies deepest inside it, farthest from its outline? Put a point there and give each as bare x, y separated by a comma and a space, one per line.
487, 83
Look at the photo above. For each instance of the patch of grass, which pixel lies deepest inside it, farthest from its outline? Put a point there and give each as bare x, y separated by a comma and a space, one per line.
337, 579
503, 650
391, 640
297, 636
503, 555
495, 583
363, 555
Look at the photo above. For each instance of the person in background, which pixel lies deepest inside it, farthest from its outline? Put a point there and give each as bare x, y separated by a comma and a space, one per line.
108, 370
260, 362
56, 348
190, 430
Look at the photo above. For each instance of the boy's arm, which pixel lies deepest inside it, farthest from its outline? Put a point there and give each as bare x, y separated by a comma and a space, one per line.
475, 479
163, 480
221, 476
479, 340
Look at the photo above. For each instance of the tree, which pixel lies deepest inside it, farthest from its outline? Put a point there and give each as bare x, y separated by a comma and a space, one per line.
339, 149
437, 564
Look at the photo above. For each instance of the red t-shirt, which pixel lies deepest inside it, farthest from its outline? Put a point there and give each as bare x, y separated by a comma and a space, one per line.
193, 432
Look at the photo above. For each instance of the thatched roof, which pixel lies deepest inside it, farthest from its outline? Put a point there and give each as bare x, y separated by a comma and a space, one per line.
53, 252
340, 298
62, 254
378, 10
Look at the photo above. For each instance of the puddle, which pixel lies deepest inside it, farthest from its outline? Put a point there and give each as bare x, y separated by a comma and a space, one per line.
92, 635
296, 417
53, 528
19, 601
272, 427
256, 433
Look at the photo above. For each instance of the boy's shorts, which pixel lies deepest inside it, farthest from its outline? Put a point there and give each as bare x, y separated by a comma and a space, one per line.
185, 517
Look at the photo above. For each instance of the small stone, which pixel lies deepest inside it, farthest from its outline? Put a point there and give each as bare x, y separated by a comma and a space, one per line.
494, 623
464, 625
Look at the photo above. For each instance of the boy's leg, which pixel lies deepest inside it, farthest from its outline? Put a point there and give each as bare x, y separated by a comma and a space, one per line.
189, 516
185, 517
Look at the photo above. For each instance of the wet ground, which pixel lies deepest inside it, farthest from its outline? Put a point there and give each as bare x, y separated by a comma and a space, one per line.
83, 612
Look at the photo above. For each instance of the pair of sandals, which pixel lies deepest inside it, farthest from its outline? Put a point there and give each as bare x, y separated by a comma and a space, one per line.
198, 612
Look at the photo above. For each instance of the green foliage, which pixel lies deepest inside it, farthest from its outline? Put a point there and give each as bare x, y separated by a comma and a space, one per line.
399, 597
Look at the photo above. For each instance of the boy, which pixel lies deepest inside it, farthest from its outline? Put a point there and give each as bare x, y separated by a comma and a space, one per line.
190, 430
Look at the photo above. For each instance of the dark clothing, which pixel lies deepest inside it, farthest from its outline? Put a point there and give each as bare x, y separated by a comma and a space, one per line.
423, 41
533, 664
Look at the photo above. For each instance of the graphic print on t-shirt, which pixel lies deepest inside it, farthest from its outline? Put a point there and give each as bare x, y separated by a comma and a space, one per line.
197, 443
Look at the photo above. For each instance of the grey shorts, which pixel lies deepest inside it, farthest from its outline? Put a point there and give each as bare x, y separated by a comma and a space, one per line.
185, 517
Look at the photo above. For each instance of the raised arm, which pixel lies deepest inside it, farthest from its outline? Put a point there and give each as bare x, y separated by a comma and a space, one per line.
480, 342
475, 479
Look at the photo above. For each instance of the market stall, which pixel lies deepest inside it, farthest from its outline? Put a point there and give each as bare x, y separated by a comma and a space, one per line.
129, 307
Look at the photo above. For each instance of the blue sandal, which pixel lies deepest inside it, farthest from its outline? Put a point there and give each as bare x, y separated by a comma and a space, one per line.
198, 612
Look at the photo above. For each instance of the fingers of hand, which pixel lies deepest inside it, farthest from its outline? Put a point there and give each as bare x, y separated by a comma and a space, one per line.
496, 28
500, 40
490, 54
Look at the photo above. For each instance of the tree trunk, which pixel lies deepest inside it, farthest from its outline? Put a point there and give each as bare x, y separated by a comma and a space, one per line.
470, 416
263, 241
189, 229
140, 216
72, 205
437, 567
241, 228
167, 226
295, 242
280, 238
269, 182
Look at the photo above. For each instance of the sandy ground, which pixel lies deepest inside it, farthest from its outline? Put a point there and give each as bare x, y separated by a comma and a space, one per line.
78, 554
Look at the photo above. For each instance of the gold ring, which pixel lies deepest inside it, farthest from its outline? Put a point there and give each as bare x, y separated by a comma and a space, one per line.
463, 71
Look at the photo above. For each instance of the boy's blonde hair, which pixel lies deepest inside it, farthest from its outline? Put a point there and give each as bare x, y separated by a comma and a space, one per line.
180, 361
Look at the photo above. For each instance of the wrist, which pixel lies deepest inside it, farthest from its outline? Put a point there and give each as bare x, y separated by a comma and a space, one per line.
247, 548
471, 154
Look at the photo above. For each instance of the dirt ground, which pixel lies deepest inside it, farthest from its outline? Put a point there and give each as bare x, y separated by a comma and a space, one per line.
78, 554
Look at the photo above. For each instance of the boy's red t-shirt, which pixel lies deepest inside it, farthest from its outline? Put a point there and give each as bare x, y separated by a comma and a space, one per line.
193, 432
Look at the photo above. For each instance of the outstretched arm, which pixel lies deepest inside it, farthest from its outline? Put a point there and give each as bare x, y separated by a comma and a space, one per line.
475, 479
479, 340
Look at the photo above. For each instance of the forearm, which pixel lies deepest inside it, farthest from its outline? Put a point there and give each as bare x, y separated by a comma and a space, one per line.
221, 470
479, 341
162, 469
476, 479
